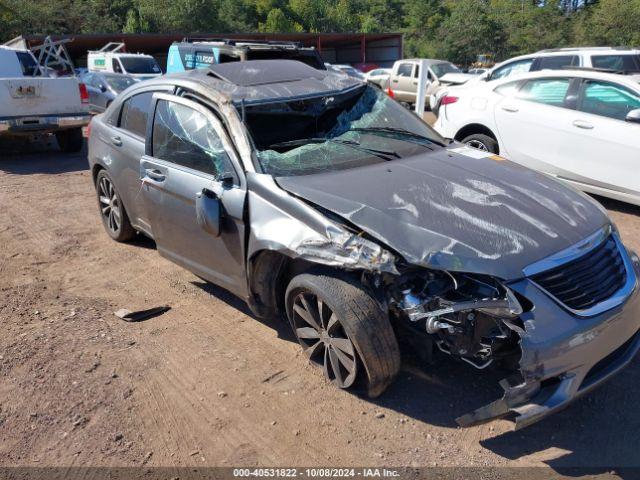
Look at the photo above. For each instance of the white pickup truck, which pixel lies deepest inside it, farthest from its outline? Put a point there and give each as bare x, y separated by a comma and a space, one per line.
32, 103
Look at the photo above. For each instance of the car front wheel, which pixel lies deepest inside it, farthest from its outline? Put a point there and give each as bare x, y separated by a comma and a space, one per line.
342, 329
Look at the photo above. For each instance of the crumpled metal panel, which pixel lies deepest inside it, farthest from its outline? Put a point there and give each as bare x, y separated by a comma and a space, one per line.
282, 223
449, 209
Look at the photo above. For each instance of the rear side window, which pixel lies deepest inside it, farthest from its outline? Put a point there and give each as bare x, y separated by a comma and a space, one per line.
513, 68
135, 111
28, 64
625, 63
607, 99
186, 137
557, 62
404, 69
550, 91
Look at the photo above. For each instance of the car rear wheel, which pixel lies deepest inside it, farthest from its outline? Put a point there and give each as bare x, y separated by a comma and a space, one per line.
70, 141
114, 216
481, 142
342, 329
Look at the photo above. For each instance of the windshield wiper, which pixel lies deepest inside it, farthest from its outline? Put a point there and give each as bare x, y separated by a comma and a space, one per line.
398, 131
384, 154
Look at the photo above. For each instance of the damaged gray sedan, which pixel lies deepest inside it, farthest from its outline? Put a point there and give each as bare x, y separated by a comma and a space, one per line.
317, 197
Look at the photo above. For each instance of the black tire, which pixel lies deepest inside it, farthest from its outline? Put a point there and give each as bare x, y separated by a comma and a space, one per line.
360, 317
70, 141
481, 142
112, 212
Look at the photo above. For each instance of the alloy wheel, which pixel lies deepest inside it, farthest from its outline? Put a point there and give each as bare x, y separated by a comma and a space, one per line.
324, 340
477, 144
109, 204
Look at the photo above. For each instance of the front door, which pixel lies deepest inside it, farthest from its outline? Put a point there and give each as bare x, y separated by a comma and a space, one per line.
191, 177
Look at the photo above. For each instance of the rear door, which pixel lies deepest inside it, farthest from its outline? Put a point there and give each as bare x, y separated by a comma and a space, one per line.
602, 149
189, 171
533, 123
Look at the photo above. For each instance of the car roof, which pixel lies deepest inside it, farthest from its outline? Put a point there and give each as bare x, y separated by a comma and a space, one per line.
261, 80
629, 80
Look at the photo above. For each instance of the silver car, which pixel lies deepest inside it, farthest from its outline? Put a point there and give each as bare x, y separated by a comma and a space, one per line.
319, 198
103, 88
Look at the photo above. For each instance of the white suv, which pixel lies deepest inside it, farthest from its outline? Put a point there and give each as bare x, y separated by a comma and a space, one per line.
616, 59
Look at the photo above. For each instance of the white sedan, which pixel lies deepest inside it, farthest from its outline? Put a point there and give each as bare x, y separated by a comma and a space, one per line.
580, 126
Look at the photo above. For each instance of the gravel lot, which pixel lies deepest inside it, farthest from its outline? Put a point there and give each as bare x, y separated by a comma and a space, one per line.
205, 383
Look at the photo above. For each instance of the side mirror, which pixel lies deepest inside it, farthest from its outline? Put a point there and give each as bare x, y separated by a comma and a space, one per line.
633, 116
103, 88
209, 212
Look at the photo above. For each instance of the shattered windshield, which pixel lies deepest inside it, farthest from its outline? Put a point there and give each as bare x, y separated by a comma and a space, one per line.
443, 68
335, 132
119, 82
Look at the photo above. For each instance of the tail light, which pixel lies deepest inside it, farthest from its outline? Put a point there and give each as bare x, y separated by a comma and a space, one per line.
390, 92
84, 95
447, 99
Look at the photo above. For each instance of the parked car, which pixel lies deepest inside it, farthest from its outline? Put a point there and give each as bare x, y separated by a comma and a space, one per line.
403, 81
318, 197
113, 59
31, 103
346, 70
378, 76
616, 59
580, 126
104, 87
190, 54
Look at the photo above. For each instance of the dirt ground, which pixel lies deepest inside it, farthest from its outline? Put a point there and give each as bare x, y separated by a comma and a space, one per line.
207, 384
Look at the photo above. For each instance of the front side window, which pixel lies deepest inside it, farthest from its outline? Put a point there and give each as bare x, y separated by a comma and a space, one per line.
558, 62
607, 99
140, 65
135, 111
404, 69
622, 63
335, 132
186, 137
513, 68
550, 91
116, 65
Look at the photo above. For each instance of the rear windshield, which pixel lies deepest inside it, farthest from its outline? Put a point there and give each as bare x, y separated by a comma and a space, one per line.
441, 69
119, 82
624, 63
28, 64
140, 65
335, 132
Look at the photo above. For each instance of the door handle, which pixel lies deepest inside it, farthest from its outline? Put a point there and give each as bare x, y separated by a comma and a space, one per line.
116, 141
154, 174
509, 108
582, 124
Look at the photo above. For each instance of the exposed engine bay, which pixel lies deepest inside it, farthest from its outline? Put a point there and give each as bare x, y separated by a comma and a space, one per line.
469, 317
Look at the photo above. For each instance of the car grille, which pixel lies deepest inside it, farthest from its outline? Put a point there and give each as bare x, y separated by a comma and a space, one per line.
587, 280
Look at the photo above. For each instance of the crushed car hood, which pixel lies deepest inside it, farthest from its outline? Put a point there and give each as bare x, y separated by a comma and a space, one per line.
457, 209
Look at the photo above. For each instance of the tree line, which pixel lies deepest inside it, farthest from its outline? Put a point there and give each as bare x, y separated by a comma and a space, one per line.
456, 30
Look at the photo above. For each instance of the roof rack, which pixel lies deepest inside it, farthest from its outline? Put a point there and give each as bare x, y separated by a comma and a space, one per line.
242, 42
578, 49
594, 69
113, 47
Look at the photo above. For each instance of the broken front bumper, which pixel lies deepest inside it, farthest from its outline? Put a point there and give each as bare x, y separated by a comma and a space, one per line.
564, 356
42, 123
